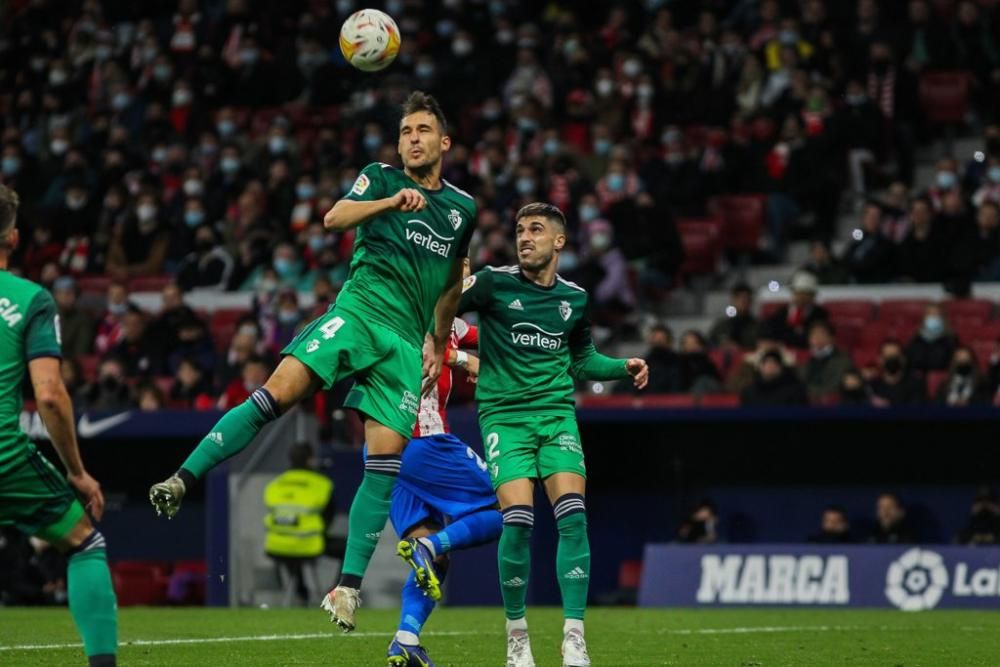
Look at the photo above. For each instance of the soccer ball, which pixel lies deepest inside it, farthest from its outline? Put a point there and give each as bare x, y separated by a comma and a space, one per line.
369, 40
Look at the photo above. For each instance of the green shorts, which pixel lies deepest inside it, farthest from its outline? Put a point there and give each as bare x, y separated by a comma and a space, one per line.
36, 499
386, 367
531, 448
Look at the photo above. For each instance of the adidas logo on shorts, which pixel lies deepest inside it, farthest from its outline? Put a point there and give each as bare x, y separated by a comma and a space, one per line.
575, 573
516, 582
516, 305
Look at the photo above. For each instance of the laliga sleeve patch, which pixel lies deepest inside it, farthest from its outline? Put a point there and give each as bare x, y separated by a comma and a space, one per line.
468, 283
361, 185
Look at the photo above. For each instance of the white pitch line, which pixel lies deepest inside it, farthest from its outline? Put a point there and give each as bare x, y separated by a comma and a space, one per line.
763, 629
224, 640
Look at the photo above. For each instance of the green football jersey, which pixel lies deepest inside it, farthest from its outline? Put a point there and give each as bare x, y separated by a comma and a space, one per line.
533, 341
29, 329
402, 260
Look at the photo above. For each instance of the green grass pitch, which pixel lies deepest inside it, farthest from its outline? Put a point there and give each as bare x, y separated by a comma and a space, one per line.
472, 637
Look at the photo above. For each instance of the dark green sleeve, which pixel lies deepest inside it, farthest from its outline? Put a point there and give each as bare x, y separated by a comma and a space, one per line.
41, 332
463, 246
477, 290
588, 363
370, 184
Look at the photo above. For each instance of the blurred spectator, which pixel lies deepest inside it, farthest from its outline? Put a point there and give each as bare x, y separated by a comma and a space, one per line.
208, 265
139, 245
109, 328
868, 258
896, 384
965, 385
774, 385
191, 387
72, 375
108, 392
136, 349
76, 326
604, 274
920, 257
662, 361
767, 340
834, 527
174, 313
281, 322
983, 526
698, 374
792, 321
891, 523
932, 347
987, 242
824, 370
854, 389
738, 328
252, 377
149, 398
822, 264
246, 342
32, 571
701, 526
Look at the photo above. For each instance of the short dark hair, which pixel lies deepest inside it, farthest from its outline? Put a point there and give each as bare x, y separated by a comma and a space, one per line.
547, 211
824, 324
741, 288
421, 101
9, 201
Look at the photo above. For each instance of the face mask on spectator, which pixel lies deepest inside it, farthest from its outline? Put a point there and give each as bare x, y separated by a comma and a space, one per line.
856, 99
193, 187
505, 36
588, 212
671, 137
316, 243
424, 70
10, 165
602, 146
208, 149
283, 266
445, 28
159, 155
288, 316
267, 286
373, 142
162, 72
604, 87
461, 47
346, 184
945, 180
644, 91
251, 386
492, 111
600, 241
933, 327
120, 101
305, 190
964, 368
568, 260
182, 97
102, 52
229, 165
616, 182
117, 309
344, 7
551, 146
994, 173
58, 146
571, 48
788, 37
226, 127
248, 329
57, 77
145, 212
674, 158
632, 68
525, 185
76, 202
194, 217
526, 124
277, 144
393, 7
249, 56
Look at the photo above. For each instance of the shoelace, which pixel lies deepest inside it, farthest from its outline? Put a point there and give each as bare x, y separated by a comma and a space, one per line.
518, 644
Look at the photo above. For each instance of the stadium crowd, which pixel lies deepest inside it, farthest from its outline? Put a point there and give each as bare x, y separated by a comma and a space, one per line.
182, 145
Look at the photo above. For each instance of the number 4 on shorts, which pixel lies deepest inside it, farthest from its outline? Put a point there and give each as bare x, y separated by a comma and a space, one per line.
329, 329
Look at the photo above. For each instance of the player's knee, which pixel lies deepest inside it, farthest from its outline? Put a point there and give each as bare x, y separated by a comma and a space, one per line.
570, 511
521, 516
94, 540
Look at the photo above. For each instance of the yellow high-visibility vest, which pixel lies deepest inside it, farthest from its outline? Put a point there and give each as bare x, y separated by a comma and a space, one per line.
295, 501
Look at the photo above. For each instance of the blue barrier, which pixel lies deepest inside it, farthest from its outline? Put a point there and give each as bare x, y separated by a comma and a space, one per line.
911, 578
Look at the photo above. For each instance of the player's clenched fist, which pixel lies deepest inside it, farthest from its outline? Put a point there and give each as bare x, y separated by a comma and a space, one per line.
639, 371
408, 200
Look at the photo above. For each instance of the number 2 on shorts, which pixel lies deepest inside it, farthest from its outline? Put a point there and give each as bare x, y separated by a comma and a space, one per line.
329, 329
492, 442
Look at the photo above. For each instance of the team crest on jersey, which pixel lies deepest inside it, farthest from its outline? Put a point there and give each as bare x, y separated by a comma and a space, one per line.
468, 283
455, 218
565, 310
361, 185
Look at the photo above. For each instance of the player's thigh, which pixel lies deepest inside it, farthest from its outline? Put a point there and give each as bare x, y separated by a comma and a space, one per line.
388, 392
408, 512
447, 474
511, 448
335, 345
559, 484
291, 382
37, 500
560, 448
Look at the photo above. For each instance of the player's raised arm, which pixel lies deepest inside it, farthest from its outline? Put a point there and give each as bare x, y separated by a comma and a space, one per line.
589, 364
444, 315
368, 198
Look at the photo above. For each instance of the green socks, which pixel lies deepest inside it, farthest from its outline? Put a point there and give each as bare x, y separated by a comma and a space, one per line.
369, 512
573, 554
514, 556
92, 600
233, 433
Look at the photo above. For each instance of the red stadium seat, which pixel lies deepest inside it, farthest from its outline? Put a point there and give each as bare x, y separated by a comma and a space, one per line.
222, 325
934, 380
702, 245
727, 362
720, 401
864, 357
629, 574
848, 334
94, 284
164, 384
769, 308
944, 96
983, 350
742, 220
88, 366
149, 283
968, 310
139, 582
849, 311
902, 310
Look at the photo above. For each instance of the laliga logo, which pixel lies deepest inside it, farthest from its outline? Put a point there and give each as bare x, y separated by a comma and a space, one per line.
916, 580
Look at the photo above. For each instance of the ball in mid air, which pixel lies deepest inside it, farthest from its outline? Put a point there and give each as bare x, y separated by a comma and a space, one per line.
369, 40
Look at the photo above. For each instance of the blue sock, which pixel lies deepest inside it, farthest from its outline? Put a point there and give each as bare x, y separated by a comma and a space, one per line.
416, 608
471, 530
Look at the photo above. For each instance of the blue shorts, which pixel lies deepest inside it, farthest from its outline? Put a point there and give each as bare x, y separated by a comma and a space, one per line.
440, 477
